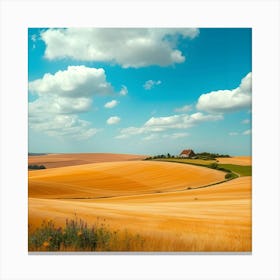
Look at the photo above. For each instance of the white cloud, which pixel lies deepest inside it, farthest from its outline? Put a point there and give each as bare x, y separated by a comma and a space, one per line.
233, 133
113, 120
124, 90
150, 84
34, 38
180, 121
111, 104
48, 118
246, 121
183, 109
76, 81
170, 122
59, 105
247, 132
61, 96
129, 47
228, 100
63, 126
69, 91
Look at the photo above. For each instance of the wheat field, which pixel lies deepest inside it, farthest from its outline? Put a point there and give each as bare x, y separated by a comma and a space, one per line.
161, 201
61, 160
240, 160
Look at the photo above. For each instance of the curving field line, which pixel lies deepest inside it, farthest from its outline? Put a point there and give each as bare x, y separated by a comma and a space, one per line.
118, 179
217, 218
149, 198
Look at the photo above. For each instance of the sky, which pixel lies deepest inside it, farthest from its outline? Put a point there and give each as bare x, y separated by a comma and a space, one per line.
140, 90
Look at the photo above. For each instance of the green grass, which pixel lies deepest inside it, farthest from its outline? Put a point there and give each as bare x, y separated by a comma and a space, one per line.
76, 235
242, 170
189, 161
230, 176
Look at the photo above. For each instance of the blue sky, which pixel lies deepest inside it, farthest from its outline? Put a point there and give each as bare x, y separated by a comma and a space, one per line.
140, 91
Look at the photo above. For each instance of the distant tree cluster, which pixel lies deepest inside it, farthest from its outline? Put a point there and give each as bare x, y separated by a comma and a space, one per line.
204, 155
161, 156
35, 166
210, 156
37, 154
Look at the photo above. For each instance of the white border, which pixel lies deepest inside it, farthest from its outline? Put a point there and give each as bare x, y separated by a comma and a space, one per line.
17, 16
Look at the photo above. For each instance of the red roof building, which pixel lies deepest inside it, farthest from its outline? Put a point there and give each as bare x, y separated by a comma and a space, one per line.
187, 153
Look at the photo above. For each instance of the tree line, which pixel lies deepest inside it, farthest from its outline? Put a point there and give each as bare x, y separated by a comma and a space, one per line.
35, 166
203, 155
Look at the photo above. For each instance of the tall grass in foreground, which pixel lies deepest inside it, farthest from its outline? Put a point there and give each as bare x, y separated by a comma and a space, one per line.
76, 235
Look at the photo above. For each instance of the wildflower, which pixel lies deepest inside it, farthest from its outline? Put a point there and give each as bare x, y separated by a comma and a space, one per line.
79, 233
46, 244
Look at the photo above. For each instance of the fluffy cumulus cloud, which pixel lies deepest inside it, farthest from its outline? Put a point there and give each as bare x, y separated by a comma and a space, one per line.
150, 84
63, 126
124, 90
160, 124
128, 47
113, 120
61, 96
111, 104
222, 101
76, 81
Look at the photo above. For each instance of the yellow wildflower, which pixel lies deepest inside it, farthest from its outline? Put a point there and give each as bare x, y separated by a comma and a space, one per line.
46, 244
79, 233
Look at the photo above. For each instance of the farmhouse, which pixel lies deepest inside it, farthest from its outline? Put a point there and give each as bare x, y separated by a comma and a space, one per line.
187, 154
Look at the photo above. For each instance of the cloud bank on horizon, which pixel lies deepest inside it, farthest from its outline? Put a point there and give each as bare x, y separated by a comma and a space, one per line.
94, 88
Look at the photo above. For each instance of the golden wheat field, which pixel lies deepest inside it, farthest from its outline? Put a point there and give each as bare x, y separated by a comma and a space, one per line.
60, 160
169, 204
241, 160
